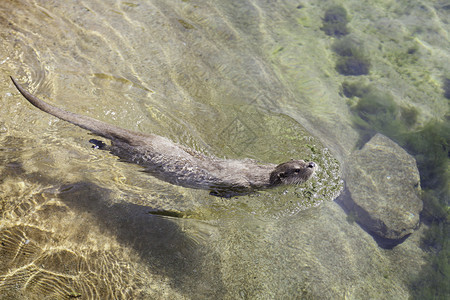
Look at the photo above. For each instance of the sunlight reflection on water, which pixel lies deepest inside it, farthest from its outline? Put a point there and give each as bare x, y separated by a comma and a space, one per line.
227, 78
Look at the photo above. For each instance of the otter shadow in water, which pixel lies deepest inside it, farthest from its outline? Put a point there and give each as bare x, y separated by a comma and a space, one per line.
158, 240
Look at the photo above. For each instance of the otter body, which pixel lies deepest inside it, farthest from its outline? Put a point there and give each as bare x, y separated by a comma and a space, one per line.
180, 165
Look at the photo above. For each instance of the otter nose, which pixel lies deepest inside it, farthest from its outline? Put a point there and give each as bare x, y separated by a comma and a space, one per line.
311, 165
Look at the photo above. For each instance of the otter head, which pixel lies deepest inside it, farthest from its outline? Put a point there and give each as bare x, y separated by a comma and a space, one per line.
292, 172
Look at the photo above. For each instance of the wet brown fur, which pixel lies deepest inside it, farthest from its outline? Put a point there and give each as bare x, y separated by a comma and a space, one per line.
182, 166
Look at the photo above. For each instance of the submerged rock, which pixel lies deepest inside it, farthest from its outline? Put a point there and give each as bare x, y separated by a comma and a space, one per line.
383, 181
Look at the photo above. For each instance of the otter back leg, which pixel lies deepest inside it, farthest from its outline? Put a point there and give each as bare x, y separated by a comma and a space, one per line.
97, 144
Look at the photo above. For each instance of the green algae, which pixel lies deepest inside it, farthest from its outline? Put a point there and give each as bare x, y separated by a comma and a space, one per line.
446, 87
407, 67
335, 21
351, 60
403, 56
376, 111
432, 281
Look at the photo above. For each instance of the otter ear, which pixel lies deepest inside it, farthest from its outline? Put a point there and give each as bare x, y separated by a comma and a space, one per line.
276, 177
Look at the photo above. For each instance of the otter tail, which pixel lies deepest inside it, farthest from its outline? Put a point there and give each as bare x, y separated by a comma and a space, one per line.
97, 127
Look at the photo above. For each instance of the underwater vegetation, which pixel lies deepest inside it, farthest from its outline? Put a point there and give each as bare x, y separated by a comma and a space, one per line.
376, 108
352, 60
403, 55
355, 89
430, 146
376, 111
432, 281
335, 21
446, 87
353, 66
347, 47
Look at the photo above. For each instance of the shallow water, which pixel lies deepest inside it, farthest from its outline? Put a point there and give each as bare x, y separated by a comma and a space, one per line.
235, 79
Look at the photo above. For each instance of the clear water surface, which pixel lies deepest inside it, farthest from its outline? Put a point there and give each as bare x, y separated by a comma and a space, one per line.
237, 79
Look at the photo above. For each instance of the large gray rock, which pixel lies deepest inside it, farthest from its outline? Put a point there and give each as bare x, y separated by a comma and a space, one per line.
384, 182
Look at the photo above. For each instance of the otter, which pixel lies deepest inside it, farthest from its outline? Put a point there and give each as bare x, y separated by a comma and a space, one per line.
180, 165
